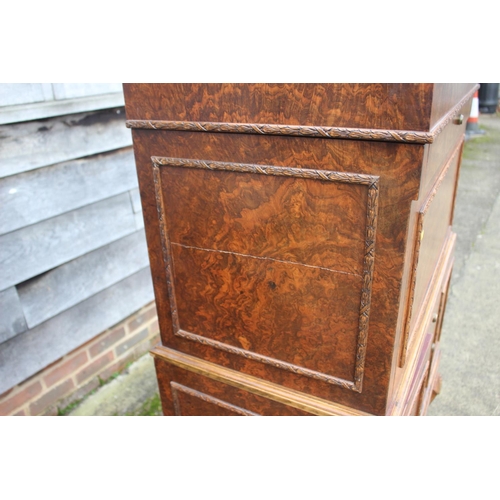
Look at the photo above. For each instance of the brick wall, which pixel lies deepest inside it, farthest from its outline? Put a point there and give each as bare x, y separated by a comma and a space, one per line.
85, 369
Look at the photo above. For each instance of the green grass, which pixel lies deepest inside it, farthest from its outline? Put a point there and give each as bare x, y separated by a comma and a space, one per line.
150, 408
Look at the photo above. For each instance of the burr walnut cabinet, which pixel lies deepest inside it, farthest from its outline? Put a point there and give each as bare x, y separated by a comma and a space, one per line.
300, 242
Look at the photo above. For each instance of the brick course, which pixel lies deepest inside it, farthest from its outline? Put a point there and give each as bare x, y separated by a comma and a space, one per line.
66, 369
80, 372
95, 367
131, 341
107, 340
14, 400
50, 397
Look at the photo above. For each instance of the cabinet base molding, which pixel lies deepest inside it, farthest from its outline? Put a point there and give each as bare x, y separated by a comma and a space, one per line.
254, 385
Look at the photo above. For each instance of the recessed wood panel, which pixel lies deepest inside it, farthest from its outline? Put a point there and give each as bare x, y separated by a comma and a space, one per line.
188, 401
270, 263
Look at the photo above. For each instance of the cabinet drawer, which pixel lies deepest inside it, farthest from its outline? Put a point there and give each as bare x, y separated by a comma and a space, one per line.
432, 233
440, 150
192, 386
194, 395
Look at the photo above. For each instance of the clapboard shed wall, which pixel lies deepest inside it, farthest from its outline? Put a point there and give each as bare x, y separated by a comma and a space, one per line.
73, 256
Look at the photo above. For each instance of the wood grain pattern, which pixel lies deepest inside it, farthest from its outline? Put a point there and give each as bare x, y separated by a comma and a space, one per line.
425, 329
215, 231
258, 394
446, 96
395, 164
372, 105
365, 134
430, 235
262, 259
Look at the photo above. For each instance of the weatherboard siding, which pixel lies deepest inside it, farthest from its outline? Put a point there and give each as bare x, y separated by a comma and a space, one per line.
73, 256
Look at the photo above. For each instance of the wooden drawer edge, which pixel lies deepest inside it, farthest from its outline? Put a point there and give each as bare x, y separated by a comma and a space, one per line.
419, 224
441, 275
431, 381
275, 392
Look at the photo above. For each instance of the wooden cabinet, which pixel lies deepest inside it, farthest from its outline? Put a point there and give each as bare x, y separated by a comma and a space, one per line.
300, 242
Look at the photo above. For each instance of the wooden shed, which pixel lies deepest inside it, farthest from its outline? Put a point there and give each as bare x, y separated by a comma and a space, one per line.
73, 257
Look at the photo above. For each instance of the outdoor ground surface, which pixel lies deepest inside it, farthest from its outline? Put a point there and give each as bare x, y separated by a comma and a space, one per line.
470, 344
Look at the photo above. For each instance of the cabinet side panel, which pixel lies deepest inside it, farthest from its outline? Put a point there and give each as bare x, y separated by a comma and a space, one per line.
398, 167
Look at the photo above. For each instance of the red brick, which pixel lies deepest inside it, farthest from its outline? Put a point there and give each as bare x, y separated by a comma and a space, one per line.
11, 403
95, 367
106, 341
66, 369
142, 318
131, 341
80, 393
21, 413
114, 368
49, 398
142, 348
4, 395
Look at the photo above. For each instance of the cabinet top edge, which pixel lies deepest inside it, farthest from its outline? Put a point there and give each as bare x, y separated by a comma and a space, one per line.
167, 107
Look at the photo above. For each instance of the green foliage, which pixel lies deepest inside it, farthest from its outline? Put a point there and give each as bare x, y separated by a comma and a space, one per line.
150, 408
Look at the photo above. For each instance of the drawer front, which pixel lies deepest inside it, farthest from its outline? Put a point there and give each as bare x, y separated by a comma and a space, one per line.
439, 152
192, 386
184, 393
432, 383
413, 391
432, 231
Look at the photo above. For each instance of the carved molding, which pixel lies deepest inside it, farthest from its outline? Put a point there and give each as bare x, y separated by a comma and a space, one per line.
305, 173
176, 388
363, 134
370, 181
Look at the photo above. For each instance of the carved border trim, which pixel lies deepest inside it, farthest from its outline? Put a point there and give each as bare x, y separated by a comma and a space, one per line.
363, 134
176, 388
416, 249
371, 181
305, 173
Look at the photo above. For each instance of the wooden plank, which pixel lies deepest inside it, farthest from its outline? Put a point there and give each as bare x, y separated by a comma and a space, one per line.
47, 109
72, 90
136, 199
67, 285
139, 220
40, 194
12, 319
35, 249
21, 93
33, 350
30, 145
